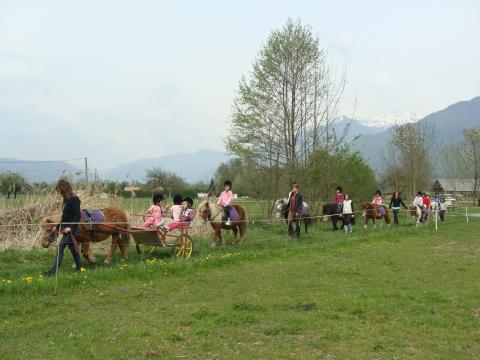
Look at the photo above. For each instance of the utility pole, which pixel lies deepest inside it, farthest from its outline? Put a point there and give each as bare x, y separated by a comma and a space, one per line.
86, 170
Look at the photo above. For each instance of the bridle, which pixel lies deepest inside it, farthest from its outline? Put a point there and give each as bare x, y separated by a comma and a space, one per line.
50, 237
206, 213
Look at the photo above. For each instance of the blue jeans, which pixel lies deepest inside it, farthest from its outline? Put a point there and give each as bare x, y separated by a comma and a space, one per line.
67, 240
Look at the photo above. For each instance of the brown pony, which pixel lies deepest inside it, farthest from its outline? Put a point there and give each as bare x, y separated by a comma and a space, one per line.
213, 213
115, 220
370, 211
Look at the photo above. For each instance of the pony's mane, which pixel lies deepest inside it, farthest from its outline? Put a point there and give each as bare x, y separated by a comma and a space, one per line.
52, 218
202, 204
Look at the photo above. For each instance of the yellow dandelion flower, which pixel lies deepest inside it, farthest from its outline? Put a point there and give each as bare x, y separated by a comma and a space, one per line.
83, 269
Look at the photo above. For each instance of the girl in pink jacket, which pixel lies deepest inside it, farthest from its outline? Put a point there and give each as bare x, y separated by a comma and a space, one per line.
377, 200
225, 200
154, 212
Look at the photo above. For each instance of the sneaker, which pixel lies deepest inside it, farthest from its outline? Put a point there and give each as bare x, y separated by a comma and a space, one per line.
48, 273
228, 223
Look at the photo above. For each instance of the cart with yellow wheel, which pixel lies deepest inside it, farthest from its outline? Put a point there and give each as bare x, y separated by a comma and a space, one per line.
147, 240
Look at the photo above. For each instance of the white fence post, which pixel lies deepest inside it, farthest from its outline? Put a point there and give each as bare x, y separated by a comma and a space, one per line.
436, 217
466, 212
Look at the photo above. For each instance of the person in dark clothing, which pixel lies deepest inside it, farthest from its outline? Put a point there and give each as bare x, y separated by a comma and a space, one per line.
294, 206
395, 205
68, 226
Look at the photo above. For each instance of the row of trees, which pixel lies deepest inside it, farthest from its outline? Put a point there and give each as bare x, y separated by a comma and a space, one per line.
408, 158
158, 180
325, 171
462, 159
413, 157
12, 184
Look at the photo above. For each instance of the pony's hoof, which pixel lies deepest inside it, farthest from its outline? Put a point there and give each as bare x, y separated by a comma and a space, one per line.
107, 262
92, 260
364, 226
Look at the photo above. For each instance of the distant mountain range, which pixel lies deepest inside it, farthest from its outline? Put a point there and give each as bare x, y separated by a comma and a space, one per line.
369, 140
448, 125
39, 171
355, 127
199, 166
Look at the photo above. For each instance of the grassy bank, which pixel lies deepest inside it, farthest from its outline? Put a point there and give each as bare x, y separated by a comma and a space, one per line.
392, 293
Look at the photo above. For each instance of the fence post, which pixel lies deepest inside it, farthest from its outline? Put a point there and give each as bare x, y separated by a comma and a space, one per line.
466, 212
436, 217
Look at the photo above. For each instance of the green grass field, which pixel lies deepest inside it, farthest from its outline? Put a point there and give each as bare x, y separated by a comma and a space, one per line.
385, 294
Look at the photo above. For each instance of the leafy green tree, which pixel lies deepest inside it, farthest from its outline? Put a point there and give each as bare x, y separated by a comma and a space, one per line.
328, 170
12, 184
412, 144
470, 150
159, 179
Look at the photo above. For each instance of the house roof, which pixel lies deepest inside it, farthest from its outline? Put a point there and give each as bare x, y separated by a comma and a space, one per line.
451, 185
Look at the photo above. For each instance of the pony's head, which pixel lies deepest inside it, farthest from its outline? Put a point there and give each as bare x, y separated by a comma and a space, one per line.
204, 211
413, 210
49, 232
280, 207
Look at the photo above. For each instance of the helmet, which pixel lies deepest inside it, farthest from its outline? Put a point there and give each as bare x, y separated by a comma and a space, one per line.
177, 199
157, 198
189, 200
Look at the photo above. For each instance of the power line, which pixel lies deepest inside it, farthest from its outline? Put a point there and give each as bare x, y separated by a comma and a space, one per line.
38, 161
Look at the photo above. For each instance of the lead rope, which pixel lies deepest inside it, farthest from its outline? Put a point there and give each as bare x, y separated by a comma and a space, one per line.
58, 253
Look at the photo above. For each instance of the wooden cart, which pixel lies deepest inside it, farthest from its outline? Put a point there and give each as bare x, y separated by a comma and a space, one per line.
147, 240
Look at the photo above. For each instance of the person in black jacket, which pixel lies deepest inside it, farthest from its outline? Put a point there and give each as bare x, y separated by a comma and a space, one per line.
68, 226
395, 205
294, 206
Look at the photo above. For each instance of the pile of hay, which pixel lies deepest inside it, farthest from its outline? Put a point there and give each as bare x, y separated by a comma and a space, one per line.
19, 228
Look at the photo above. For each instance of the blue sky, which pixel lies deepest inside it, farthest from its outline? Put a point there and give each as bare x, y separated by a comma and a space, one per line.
122, 80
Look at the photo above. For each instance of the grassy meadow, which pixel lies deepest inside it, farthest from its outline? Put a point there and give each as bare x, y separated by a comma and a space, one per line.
385, 294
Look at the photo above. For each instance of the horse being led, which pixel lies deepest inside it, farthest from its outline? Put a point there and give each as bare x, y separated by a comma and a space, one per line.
213, 213
371, 212
281, 210
421, 215
332, 211
92, 229
416, 213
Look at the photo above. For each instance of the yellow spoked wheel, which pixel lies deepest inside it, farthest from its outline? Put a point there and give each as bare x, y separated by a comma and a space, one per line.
184, 247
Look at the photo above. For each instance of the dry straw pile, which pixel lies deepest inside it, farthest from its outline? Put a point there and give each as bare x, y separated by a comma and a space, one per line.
19, 228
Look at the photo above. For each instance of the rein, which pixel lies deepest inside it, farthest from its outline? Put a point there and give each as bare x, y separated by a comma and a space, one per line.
51, 237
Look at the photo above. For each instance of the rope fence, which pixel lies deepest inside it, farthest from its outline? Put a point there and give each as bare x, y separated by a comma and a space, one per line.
268, 220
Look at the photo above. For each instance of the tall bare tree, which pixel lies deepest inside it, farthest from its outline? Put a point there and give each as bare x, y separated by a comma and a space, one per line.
285, 109
470, 150
412, 144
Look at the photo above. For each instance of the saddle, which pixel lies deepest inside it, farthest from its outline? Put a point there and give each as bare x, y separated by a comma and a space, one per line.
233, 215
92, 217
